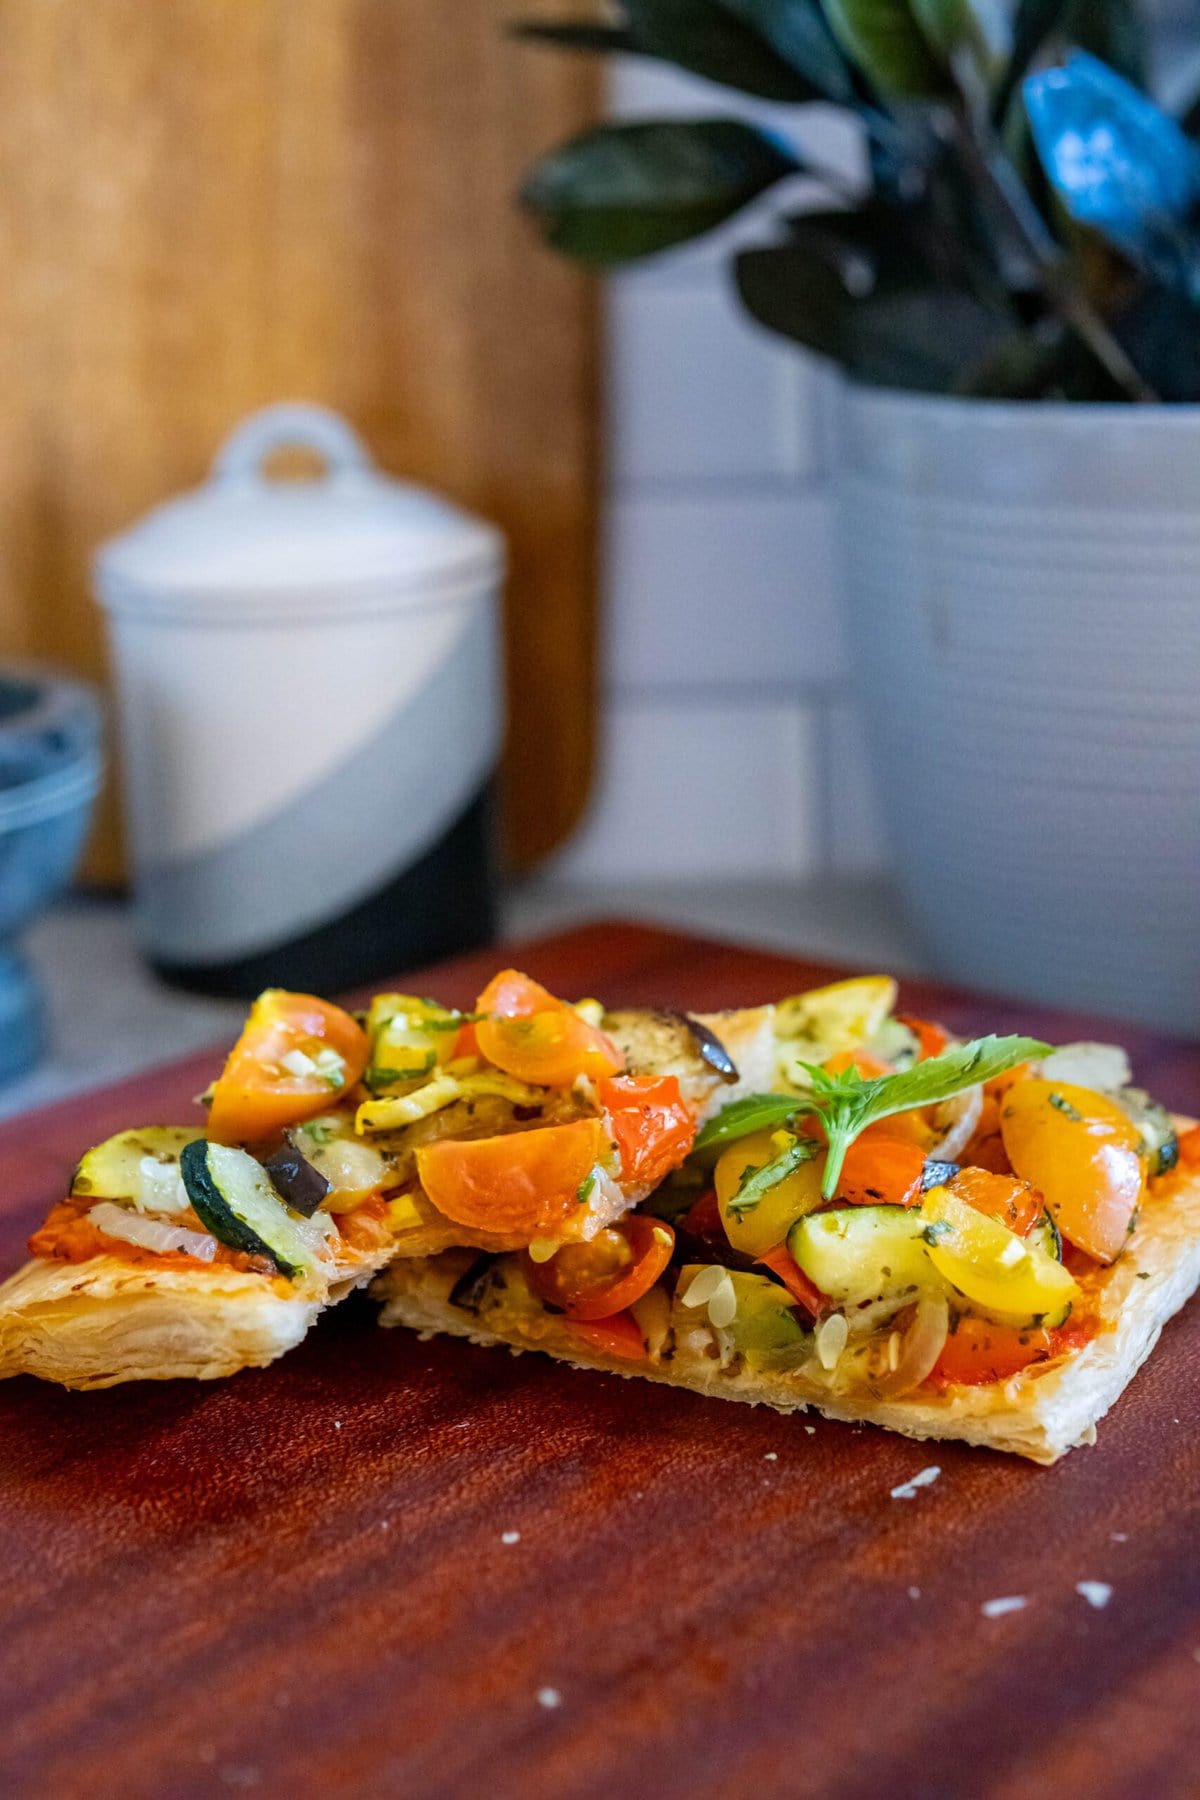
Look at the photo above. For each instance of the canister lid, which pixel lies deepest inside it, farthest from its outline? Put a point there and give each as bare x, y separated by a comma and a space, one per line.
353, 537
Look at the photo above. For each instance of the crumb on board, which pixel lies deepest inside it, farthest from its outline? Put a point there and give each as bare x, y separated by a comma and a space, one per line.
1096, 1593
1007, 1603
914, 1593
510, 1537
549, 1698
908, 1489
771, 1456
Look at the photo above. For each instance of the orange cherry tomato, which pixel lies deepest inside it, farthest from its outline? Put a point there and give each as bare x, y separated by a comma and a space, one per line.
608, 1273
265, 1085
861, 1060
1081, 1151
881, 1171
1189, 1148
533, 1036
978, 1352
931, 1039
986, 1149
525, 1184
781, 1262
466, 1043
619, 1336
652, 1128
1002, 1197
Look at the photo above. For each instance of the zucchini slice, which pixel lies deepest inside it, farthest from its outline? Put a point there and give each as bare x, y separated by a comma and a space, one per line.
233, 1196
860, 1253
139, 1168
1160, 1140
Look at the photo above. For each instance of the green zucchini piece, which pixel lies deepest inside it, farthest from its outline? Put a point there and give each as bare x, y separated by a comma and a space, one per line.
1159, 1136
1046, 1236
766, 1328
860, 1253
234, 1198
140, 1167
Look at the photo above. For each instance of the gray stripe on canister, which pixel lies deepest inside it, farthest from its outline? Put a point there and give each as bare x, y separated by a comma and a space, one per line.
346, 837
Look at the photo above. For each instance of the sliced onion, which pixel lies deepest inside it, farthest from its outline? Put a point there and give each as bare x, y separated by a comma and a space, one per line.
150, 1234
1103, 1068
918, 1350
348, 1166
956, 1119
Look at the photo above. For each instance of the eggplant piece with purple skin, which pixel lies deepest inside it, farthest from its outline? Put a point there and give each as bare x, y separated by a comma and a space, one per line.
937, 1174
708, 1044
295, 1180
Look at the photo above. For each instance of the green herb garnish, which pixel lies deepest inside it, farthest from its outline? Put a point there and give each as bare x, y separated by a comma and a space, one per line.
757, 1182
848, 1102
1061, 1104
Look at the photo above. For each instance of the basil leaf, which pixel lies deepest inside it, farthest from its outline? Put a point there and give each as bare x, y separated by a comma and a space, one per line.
942, 1076
847, 1104
761, 1181
757, 1112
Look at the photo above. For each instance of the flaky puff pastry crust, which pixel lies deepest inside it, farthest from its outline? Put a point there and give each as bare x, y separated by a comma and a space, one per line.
1040, 1414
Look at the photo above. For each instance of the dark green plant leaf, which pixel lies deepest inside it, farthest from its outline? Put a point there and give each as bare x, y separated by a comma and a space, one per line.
1112, 30
864, 316
971, 38
624, 191
711, 39
1034, 22
884, 40
760, 1181
605, 39
798, 31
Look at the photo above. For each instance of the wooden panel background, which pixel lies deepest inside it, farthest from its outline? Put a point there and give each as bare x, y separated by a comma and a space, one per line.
208, 205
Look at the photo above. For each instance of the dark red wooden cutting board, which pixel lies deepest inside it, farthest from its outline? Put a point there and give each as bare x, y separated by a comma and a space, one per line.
297, 1582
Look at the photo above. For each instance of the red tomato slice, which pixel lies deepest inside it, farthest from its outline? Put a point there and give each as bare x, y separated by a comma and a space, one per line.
703, 1221
607, 1274
881, 1171
1002, 1197
258, 1093
525, 1184
781, 1262
533, 1036
931, 1038
652, 1128
978, 1352
619, 1336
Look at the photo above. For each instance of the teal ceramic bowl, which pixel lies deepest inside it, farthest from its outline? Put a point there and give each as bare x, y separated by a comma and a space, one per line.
51, 760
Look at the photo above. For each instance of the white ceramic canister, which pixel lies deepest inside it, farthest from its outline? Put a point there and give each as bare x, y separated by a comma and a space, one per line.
308, 686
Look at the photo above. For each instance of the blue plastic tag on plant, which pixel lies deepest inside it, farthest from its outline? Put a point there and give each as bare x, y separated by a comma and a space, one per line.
1118, 163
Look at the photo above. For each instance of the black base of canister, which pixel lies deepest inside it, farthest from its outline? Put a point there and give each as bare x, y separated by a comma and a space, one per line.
439, 906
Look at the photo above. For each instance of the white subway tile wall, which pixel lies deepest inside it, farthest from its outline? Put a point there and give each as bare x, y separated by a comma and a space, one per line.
730, 745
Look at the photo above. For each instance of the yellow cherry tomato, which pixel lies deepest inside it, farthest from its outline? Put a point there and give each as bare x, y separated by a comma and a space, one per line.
990, 1264
769, 1222
1081, 1151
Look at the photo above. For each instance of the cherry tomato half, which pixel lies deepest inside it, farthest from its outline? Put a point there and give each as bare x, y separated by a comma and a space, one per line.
881, 1171
1002, 1197
533, 1036
931, 1039
1081, 1151
525, 1184
781, 1262
296, 1056
979, 1352
608, 1273
652, 1128
619, 1336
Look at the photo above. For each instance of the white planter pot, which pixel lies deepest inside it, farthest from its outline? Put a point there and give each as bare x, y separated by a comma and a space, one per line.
1023, 584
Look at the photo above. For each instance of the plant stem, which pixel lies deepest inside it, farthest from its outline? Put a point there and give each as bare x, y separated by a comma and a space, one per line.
996, 177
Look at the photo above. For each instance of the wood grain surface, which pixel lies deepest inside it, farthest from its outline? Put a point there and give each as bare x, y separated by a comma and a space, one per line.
297, 1582
209, 205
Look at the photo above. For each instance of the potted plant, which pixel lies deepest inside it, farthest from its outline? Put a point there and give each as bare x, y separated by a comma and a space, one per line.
1014, 297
